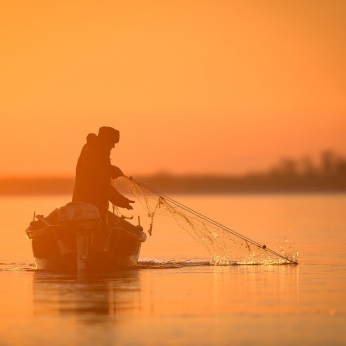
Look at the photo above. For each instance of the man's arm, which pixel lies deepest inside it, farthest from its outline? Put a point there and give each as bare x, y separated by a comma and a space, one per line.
118, 199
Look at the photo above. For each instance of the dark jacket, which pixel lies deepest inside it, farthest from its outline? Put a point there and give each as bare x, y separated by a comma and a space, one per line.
93, 178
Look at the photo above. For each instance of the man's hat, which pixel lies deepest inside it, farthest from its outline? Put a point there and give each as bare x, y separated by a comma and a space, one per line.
109, 133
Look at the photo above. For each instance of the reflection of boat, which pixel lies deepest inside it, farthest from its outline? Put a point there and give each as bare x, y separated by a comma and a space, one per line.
89, 296
72, 238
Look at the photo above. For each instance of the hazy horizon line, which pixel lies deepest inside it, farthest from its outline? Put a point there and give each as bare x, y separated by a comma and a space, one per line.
327, 160
289, 175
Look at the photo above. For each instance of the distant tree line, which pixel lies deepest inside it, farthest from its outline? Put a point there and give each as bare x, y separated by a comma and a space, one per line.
329, 165
328, 174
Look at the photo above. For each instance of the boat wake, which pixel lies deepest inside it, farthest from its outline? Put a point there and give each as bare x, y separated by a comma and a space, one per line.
143, 264
17, 266
171, 264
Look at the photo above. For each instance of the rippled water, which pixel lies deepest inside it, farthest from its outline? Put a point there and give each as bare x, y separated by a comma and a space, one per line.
175, 296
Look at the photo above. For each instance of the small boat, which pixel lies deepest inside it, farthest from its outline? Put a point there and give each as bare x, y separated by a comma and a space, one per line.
72, 238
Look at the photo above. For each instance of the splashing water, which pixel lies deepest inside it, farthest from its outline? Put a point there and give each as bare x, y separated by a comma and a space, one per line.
225, 246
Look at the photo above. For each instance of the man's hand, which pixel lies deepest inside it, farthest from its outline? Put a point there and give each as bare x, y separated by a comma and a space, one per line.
116, 172
129, 207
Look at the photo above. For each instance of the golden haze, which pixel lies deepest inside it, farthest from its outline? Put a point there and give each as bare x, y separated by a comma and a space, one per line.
194, 87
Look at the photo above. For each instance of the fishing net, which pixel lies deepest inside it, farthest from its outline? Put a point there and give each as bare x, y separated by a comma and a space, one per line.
225, 246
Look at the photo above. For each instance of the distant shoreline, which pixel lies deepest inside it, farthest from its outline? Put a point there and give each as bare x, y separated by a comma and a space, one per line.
289, 176
190, 184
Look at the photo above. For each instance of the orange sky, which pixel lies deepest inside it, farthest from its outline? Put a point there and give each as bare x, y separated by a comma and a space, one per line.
193, 86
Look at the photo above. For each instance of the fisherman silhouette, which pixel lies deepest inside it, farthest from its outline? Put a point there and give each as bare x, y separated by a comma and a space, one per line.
94, 172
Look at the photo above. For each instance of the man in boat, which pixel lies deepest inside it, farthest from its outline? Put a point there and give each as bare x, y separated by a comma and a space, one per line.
94, 172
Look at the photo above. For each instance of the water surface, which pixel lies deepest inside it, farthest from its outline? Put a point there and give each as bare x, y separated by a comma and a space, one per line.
186, 301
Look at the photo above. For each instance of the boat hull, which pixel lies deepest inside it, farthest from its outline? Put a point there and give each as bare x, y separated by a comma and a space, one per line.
67, 248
